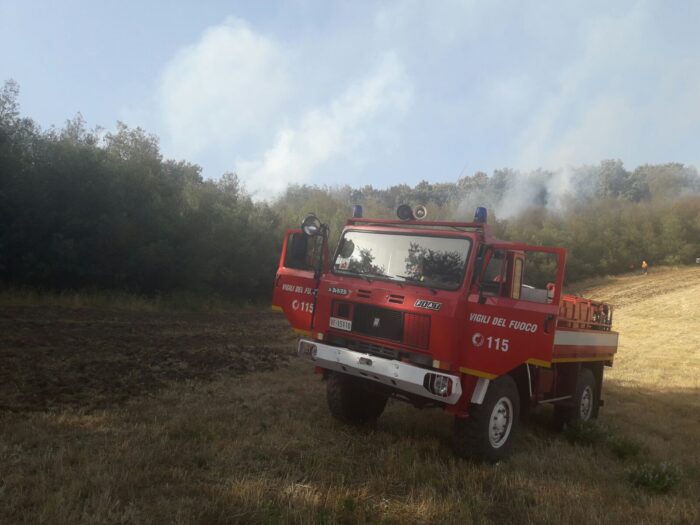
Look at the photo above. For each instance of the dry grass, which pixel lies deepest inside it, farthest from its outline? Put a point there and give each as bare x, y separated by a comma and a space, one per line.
262, 447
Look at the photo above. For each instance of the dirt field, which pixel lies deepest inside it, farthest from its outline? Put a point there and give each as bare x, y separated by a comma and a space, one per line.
112, 416
55, 358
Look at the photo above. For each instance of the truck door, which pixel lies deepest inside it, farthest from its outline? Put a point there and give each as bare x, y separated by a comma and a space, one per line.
295, 288
512, 308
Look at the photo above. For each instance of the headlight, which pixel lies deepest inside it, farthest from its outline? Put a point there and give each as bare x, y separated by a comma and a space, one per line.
307, 349
442, 385
438, 384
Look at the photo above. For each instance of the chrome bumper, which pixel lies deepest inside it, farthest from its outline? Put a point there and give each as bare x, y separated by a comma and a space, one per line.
401, 376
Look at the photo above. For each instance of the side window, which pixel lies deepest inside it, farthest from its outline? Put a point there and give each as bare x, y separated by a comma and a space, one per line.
302, 251
517, 278
538, 277
493, 278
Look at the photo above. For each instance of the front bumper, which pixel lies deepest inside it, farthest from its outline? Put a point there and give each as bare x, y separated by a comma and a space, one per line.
396, 374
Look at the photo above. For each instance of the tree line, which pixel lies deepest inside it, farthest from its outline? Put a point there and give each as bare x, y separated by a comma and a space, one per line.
82, 209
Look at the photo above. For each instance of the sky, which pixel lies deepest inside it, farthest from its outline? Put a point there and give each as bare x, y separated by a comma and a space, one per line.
380, 93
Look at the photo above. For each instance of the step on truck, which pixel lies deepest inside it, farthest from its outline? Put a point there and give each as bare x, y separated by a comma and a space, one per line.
442, 314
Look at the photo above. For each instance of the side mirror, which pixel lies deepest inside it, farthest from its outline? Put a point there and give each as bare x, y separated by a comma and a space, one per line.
346, 248
550, 292
312, 227
297, 252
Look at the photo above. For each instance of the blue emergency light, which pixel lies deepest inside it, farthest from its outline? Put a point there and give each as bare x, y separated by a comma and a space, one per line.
480, 215
357, 211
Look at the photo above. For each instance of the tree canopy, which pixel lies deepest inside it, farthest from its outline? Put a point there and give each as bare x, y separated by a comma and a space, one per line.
82, 208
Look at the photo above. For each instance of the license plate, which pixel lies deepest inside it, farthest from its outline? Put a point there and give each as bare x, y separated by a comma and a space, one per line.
341, 324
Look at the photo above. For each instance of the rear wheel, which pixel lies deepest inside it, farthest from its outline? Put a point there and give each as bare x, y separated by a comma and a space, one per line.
352, 400
490, 430
583, 405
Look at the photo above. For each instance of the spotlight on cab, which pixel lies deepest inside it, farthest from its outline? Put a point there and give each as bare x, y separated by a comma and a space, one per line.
420, 213
311, 225
406, 213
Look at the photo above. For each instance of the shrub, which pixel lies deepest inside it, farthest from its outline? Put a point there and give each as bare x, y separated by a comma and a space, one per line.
654, 478
623, 447
585, 433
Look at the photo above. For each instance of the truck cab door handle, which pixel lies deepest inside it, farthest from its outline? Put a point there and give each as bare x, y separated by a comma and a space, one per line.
547, 320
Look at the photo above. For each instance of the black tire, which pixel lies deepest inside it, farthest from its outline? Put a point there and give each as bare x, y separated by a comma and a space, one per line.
352, 400
483, 435
583, 406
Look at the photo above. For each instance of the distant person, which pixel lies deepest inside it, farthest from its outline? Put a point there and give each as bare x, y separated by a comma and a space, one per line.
645, 267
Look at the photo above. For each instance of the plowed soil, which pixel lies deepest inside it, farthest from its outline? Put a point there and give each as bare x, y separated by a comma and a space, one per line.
56, 357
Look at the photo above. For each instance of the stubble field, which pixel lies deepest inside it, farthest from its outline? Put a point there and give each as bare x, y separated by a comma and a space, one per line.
110, 415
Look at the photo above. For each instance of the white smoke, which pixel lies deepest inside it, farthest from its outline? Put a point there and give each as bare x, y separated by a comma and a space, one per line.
524, 190
329, 132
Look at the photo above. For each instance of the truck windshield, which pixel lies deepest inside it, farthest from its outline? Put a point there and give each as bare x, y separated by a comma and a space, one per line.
423, 260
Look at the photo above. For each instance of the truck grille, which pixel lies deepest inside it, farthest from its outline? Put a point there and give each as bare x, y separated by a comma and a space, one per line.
369, 348
378, 322
409, 328
416, 330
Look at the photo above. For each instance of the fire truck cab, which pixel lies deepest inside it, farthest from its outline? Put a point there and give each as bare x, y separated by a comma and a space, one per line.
442, 314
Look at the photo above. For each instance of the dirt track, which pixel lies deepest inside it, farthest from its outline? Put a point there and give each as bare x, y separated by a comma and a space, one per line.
55, 357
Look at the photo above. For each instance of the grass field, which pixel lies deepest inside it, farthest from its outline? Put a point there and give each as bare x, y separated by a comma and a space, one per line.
110, 415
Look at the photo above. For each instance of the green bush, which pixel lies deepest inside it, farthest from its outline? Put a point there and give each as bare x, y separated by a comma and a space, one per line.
623, 447
585, 433
655, 478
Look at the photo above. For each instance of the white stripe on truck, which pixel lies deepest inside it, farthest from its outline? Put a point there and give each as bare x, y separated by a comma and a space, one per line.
570, 338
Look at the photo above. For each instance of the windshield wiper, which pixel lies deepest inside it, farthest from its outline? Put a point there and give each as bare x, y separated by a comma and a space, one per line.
366, 275
382, 276
409, 278
376, 275
417, 280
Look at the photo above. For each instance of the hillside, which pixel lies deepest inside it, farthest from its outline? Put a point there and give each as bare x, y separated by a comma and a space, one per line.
114, 416
658, 317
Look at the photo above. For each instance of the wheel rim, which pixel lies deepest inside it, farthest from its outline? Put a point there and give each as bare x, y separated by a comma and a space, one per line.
586, 407
501, 422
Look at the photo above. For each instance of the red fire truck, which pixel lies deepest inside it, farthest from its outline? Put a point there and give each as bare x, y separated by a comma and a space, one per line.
442, 314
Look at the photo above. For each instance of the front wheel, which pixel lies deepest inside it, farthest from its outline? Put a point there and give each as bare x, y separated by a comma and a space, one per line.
352, 400
490, 430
